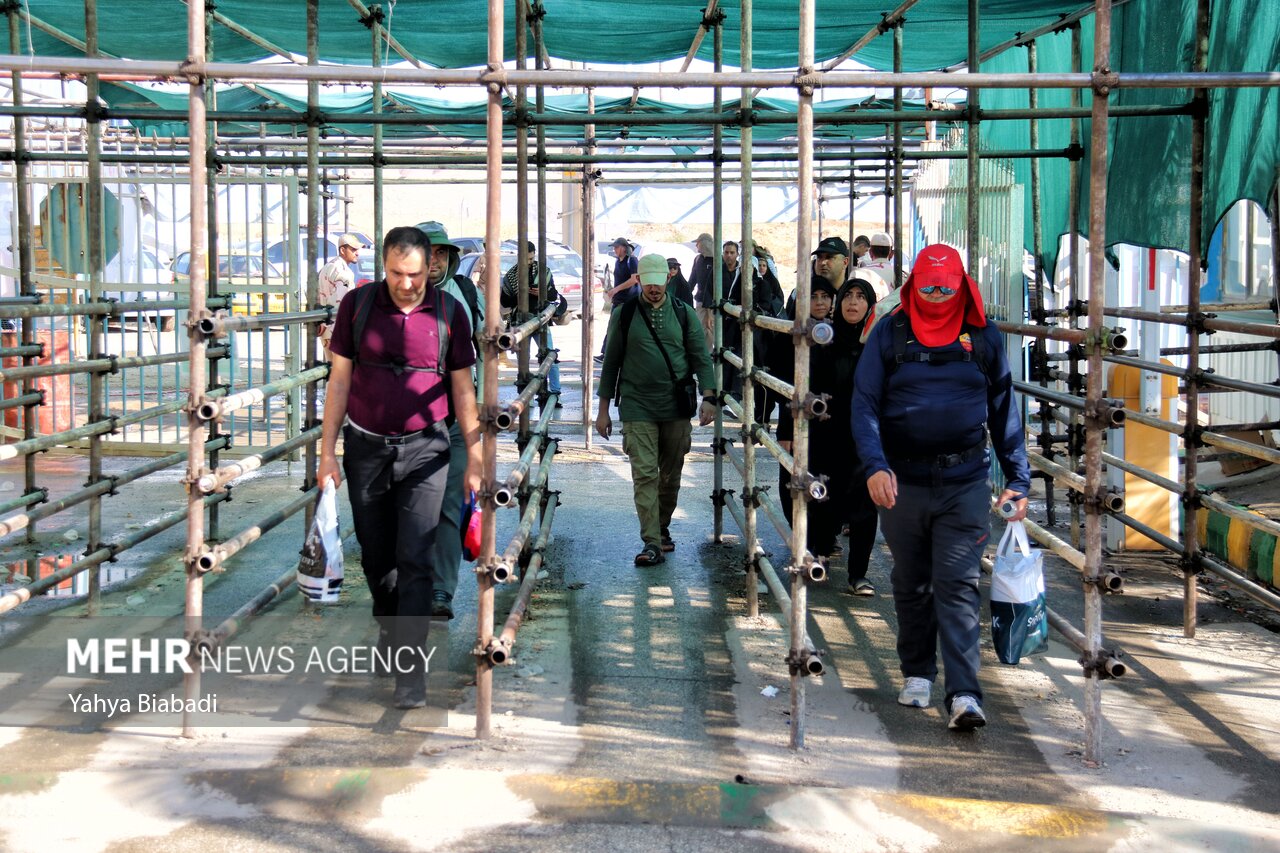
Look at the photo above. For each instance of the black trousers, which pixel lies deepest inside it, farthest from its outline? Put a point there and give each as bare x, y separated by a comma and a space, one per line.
396, 494
863, 519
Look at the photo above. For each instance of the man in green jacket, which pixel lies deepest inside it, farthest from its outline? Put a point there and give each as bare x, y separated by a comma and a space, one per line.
655, 346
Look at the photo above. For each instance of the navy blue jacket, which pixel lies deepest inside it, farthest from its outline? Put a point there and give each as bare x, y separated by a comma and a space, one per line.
623, 269
925, 410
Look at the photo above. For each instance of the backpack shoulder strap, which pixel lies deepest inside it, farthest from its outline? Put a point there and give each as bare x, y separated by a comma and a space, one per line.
471, 296
365, 297
901, 326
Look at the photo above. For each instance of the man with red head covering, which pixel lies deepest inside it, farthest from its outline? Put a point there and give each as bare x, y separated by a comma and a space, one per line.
931, 383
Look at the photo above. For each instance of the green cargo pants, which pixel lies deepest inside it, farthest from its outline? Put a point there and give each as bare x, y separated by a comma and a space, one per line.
656, 450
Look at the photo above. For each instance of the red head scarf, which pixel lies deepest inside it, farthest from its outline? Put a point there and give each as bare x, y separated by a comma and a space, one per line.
937, 324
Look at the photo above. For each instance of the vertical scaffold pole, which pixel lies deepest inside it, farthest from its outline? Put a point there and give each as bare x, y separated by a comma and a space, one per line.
897, 156
314, 207
211, 286
853, 197
973, 111
588, 271
800, 442
540, 138
493, 314
522, 219
1037, 290
26, 255
198, 366
717, 282
375, 13
96, 324
1074, 190
746, 291
1191, 430
1094, 432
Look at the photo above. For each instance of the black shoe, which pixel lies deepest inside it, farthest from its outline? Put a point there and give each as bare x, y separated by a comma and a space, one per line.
409, 696
441, 606
599, 359
650, 556
668, 544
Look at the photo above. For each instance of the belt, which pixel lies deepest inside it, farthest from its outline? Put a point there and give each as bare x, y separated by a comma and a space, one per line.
946, 460
388, 440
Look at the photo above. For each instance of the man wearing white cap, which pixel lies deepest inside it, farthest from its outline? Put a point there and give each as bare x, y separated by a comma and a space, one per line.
336, 278
880, 258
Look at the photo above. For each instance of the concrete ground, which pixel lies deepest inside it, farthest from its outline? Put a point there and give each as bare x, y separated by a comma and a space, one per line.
635, 714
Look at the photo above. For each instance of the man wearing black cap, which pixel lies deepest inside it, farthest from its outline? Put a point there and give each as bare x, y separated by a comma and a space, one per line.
677, 286
626, 281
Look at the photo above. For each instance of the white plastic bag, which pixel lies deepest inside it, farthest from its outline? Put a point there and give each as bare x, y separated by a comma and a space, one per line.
1019, 624
320, 568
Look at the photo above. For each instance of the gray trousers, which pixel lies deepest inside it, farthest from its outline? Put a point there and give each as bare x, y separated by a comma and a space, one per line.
936, 535
448, 534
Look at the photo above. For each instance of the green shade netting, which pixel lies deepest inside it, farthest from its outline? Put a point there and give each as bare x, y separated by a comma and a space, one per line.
454, 33
1148, 183
435, 113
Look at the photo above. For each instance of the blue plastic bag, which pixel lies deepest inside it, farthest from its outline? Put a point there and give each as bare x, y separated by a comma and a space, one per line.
1019, 624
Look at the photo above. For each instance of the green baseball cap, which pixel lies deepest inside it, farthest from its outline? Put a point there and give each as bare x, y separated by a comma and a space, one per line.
436, 234
653, 269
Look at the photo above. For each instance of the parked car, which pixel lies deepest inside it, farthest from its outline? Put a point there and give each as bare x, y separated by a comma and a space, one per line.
565, 268
469, 245
142, 268
277, 250
244, 276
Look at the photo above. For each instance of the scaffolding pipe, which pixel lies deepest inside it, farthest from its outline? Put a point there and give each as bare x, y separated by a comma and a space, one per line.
215, 557
35, 496
500, 651
108, 424
221, 324
493, 312
1203, 322
22, 401
227, 627
1113, 339
810, 660
1098, 164
513, 337
504, 494
1110, 659
26, 249
503, 570
1255, 591
516, 408
104, 553
588, 278
1074, 192
773, 511
217, 479
717, 286
212, 409
1113, 410
1142, 473
105, 486
39, 67
197, 431
746, 297
109, 364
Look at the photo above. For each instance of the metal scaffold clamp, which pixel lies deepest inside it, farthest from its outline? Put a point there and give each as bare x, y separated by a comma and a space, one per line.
720, 498
373, 19
753, 497
813, 488
804, 662
813, 406
1104, 663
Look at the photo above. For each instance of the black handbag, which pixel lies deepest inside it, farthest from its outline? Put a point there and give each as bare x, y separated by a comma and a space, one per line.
686, 390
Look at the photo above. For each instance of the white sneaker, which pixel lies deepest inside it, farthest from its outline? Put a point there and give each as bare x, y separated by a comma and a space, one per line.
966, 713
915, 692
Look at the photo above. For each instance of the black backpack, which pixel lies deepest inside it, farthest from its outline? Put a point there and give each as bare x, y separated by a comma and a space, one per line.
902, 334
365, 297
629, 313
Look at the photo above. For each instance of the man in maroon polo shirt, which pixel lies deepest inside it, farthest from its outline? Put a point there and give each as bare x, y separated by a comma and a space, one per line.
398, 387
